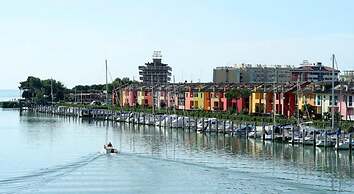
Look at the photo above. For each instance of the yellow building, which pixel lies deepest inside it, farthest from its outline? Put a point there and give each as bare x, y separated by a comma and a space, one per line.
198, 99
308, 99
257, 102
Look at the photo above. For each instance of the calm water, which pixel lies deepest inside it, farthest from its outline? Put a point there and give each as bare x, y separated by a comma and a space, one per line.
50, 154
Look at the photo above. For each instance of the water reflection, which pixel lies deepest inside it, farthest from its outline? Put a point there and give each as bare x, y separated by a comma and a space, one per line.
300, 164
170, 143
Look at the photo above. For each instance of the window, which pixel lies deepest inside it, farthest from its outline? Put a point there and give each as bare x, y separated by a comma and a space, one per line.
335, 100
318, 100
350, 100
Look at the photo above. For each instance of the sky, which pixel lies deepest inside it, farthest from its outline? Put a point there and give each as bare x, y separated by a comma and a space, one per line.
69, 40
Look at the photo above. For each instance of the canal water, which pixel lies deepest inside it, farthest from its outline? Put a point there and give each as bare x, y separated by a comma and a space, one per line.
41, 153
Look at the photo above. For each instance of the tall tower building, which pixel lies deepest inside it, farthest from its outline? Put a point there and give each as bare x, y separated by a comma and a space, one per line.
155, 72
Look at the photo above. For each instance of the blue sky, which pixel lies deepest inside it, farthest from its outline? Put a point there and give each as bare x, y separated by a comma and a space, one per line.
69, 40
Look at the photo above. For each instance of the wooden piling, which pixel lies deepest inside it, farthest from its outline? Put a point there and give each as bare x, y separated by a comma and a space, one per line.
292, 135
350, 144
303, 136
203, 124
246, 132
232, 127
209, 125
160, 121
273, 133
263, 132
325, 141
255, 130
189, 123
196, 123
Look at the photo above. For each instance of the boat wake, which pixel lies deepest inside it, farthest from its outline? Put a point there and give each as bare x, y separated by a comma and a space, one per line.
42, 176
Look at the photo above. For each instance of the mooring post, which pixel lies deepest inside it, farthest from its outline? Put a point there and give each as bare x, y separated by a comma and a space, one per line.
138, 118
171, 122
337, 141
314, 138
350, 144
196, 123
292, 135
209, 125
232, 127
144, 118
263, 132
154, 119
203, 124
273, 133
246, 131
189, 123
303, 136
325, 140
160, 121
255, 130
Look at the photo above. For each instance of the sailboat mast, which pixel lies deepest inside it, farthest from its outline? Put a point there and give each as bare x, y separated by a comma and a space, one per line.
51, 89
297, 97
333, 101
106, 84
274, 106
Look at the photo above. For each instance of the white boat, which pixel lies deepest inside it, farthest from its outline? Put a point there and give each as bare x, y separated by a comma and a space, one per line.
209, 125
308, 140
344, 145
322, 143
110, 149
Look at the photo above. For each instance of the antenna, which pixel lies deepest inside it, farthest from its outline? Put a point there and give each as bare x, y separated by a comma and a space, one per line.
157, 55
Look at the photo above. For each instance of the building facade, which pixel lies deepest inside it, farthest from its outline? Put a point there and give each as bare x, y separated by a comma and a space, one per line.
155, 72
315, 72
247, 73
226, 75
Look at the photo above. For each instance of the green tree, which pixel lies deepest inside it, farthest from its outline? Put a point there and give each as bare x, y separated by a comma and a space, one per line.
39, 91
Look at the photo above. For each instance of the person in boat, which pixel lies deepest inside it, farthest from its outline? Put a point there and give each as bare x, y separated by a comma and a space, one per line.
109, 145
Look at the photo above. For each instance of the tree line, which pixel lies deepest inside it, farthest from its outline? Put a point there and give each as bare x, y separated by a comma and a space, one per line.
44, 91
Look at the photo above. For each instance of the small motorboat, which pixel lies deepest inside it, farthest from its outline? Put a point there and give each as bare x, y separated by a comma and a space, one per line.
110, 149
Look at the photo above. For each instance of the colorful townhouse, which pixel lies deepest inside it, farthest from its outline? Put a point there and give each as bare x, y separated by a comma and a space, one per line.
343, 101
213, 97
128, 96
